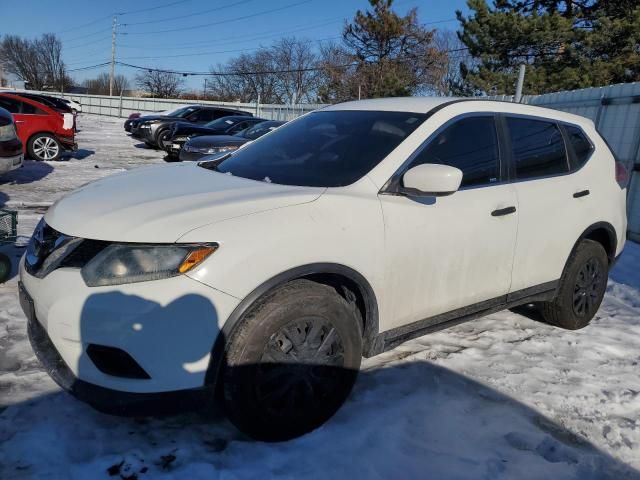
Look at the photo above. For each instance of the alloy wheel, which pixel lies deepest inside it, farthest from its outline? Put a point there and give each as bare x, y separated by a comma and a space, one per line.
46, 148
587, 289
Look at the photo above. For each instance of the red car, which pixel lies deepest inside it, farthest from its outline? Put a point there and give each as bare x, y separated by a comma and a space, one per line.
45, 133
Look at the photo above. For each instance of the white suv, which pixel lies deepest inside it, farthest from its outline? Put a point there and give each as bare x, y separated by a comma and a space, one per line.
263, 276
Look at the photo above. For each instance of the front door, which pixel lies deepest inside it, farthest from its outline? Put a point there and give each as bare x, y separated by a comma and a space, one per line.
446, 253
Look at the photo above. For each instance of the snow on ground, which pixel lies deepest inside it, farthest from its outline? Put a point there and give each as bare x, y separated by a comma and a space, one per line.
503, 397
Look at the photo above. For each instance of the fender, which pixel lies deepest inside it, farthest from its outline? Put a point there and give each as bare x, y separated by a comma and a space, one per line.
611, 232
371, 327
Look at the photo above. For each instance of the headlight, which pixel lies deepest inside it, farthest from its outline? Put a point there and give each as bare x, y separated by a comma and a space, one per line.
209, 150
144, 125
7, 132
129, 263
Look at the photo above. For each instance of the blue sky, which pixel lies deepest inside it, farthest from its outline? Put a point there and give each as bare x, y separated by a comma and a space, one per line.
191, 35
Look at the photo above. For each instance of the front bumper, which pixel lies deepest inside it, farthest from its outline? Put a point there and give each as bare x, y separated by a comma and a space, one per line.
11, 163
191, 156
175, 147
68, 143
104, 399
167, 326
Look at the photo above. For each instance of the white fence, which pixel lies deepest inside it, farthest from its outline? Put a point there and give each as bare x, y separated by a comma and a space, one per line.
123, 106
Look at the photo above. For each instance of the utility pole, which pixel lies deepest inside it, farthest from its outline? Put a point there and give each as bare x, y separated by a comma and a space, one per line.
113, 55
520, 83
204, 92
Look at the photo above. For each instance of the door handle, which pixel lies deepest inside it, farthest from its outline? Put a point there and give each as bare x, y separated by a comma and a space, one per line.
582, 193
19, 121
503, 211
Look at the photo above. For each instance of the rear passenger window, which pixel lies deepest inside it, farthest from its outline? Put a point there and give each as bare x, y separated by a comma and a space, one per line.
470, 144
538, 148
9, 104
581, 146
29, 109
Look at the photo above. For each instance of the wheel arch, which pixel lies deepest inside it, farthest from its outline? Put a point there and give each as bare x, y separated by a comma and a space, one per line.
344, 279
605, 234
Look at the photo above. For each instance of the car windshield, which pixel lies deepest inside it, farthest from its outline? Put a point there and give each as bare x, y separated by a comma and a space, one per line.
224, 122
322, 149
258, 130
181, 112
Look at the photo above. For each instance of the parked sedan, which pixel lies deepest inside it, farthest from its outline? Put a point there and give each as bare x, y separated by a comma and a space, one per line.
155, 132
181, 132
45, 132
199, 147
10, 145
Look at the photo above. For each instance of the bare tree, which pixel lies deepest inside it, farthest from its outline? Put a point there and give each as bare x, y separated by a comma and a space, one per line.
100, 84
245, 78
297, 77
281, 73
455, 57
160, 84
38, 62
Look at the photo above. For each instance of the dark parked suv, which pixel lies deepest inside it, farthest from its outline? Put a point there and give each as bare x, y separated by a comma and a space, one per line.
155, 130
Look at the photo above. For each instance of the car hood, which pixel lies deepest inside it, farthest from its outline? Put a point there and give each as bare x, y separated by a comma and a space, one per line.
160, 204
216, 141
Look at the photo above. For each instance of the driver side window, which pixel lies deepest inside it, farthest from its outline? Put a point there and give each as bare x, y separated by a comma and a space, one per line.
470, 144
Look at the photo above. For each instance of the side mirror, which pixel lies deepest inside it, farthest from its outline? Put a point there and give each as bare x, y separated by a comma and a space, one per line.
431, 179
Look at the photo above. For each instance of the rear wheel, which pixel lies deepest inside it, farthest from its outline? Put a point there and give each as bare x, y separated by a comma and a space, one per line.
44, 146
582, 288
292, 362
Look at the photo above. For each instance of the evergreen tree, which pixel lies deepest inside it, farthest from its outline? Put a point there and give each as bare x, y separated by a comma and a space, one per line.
564, 44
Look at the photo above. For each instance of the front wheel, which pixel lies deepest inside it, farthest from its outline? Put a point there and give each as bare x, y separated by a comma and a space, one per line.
164, 139
44, 146
581, 289
292, 362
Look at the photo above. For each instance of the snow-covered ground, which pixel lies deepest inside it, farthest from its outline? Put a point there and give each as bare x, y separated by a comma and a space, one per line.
503, 397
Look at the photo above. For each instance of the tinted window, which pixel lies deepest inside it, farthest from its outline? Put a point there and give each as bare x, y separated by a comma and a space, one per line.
323, 149
224, 122
470, 144
538, 148
13, 106
184, 112
31, 110
581, 146
260, 129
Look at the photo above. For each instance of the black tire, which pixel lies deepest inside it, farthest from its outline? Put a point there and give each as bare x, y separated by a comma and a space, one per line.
44, 146
292, 361
581, 289
162, 138
5, 268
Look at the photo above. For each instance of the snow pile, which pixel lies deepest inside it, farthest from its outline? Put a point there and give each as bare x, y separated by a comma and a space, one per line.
504, 396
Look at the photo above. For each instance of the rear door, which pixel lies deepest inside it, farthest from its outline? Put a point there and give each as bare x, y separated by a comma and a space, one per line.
553, 202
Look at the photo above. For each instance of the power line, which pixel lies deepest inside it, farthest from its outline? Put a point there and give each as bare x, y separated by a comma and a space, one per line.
156, 7
230, 20
189, 15
242, 38
215, 52
88, 35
